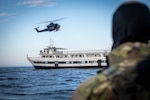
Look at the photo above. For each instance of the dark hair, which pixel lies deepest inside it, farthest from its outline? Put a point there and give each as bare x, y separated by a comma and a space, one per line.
131, 23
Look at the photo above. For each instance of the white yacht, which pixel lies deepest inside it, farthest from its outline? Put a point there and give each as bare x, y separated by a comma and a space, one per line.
52, 57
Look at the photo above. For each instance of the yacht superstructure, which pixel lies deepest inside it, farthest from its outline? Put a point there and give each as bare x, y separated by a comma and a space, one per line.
52, 57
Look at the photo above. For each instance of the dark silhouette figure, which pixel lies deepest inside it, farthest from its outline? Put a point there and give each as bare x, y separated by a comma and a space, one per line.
131, 23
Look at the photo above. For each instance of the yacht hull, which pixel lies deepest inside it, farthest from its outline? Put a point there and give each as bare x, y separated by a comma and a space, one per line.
43, 67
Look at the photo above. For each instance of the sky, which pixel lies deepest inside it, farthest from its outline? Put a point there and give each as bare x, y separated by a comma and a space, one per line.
87, 26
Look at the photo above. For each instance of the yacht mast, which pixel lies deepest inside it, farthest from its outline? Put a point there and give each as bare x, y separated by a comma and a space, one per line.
51, 42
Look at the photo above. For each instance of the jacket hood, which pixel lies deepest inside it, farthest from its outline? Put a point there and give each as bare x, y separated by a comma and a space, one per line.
131, 23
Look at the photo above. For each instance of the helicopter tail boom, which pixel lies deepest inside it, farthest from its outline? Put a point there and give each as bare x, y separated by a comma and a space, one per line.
41, 30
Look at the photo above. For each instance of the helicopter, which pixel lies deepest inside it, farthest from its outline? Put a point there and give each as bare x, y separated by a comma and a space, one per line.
50, 27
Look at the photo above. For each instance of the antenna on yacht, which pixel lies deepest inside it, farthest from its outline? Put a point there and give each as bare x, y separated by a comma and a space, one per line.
51, 42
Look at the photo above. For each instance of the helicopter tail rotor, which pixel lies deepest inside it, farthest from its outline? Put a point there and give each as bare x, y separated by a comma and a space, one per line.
37, 29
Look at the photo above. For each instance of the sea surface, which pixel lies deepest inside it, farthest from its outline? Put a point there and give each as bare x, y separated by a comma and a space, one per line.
27, 83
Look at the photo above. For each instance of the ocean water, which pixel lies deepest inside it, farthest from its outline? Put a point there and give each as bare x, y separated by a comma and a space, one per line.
27, 83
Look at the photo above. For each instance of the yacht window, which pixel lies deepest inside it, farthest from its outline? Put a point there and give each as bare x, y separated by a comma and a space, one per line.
77, 62
45, 62
62, 62
50, 62
103, 61
40, 51
97, 55
91, 61
37, 62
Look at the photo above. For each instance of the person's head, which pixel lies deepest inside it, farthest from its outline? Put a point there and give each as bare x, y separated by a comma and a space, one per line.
131, 23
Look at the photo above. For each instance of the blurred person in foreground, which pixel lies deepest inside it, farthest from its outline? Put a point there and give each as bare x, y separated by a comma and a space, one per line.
127, 78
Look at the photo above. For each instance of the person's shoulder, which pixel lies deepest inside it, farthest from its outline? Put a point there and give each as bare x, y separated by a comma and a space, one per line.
128, 54
125, 49
92, 88
99, 87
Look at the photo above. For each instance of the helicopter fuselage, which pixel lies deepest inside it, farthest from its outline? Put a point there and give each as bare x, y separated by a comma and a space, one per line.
50, 27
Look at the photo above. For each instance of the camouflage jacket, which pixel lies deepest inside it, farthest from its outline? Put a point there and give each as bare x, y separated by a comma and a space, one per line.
118, 81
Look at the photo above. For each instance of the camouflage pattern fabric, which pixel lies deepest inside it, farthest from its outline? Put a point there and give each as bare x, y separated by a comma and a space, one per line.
117, 82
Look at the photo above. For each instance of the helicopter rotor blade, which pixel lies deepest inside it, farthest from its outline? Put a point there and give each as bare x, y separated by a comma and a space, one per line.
58, 19
45, 22
52, 21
